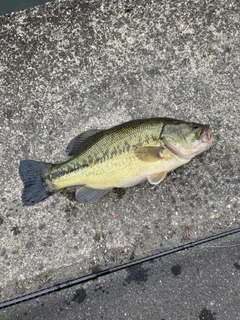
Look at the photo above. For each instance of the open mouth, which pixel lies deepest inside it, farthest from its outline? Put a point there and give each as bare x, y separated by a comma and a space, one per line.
207, 136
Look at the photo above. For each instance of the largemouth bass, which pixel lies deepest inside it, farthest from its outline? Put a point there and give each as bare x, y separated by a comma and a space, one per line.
119, 157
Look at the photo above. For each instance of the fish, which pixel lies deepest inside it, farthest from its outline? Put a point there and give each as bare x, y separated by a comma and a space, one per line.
119, 157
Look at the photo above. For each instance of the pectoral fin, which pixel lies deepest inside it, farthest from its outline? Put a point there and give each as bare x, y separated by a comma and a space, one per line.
156, 178
89, 195
149, 154
77, 145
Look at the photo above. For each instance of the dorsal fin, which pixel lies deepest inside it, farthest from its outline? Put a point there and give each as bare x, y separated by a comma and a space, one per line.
76, 145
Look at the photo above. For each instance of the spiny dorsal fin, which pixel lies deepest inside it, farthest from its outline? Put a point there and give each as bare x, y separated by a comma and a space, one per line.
76, 145
149, 154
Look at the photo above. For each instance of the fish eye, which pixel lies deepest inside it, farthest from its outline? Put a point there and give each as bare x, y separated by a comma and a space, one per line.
193, 125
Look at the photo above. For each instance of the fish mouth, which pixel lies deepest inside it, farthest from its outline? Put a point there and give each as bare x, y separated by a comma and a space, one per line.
208, 139
206, 136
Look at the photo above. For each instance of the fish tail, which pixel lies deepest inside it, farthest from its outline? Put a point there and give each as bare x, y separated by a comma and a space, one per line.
35, 187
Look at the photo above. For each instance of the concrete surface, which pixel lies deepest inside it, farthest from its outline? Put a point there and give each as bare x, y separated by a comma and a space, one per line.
73, 65
200, 283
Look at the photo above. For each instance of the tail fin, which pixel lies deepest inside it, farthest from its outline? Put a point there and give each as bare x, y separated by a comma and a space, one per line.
34, 189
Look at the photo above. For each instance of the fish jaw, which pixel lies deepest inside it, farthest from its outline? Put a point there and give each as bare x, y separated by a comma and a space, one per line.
206, 136
206, 142
208, 139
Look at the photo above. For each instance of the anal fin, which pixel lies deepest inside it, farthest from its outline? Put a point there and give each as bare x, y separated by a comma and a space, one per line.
89, 195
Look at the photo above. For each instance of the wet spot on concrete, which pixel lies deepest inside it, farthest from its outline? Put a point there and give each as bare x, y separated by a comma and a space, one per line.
15, 230
40, 266
69, 194
15, 251
237, 266
100, 288
206, 314
186, 232
137, 274
176, 270
119, 192
42, 226
98, 237
128, 9
29, 245
71, 211
54, 203
96, 268
79, 296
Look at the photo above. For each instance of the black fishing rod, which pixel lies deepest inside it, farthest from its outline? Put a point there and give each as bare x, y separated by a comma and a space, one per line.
105, 272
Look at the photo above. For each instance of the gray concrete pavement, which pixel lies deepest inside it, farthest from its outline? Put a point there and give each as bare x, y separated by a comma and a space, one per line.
70, 66
200, 283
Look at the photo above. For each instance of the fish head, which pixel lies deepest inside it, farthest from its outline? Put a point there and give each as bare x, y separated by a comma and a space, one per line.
187, 139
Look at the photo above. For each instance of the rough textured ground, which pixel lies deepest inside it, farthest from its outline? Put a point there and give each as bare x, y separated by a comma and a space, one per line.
70, 66
197, 284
